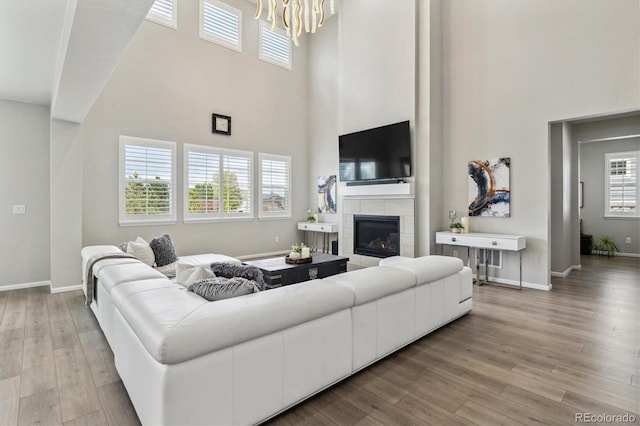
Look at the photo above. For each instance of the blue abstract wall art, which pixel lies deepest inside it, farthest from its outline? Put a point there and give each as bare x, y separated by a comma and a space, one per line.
327, 194
489, 193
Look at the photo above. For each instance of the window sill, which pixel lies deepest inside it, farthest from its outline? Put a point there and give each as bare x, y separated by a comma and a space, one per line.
148, 222
217, 220
275, 217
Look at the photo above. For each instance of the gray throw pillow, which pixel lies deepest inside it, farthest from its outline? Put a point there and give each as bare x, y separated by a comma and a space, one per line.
229, 270
123, 246
163, 250
218, 288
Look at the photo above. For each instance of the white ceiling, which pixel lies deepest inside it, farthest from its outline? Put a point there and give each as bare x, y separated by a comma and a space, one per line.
30, 34
61, 53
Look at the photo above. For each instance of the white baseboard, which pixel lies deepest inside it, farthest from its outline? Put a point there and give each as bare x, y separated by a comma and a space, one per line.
565, 273
628, 254
593, 253
64, 289
258, 255
516, 283
24, 285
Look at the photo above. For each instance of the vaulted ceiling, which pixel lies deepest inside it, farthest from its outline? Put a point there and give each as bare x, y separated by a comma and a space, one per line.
61, 52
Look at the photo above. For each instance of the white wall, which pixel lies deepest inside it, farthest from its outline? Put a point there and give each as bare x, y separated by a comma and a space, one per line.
323, 111
510, 68
24, 180
166, 87
66, 204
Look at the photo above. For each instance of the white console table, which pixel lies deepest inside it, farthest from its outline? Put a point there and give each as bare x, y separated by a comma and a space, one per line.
484, 241
326, 229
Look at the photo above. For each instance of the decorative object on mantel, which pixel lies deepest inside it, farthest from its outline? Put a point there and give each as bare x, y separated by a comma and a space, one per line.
221, 124
489, 193
292, 12
299, 254
327, 194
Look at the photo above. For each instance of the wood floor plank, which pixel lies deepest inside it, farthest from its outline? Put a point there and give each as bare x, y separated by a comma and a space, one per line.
116, 405
78, 394
37, 316
429, 413
82, 316
40, 408
97, 418
481, 415
63, 333
9, 400
99, 357
38, 367
15, 311
11, 352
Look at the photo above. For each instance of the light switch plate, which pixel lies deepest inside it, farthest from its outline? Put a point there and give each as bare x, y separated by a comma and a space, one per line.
19, 209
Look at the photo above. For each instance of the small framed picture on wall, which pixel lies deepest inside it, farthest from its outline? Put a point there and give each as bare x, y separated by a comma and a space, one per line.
221, 124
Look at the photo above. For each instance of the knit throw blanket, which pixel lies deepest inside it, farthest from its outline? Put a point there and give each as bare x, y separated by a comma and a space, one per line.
91, 280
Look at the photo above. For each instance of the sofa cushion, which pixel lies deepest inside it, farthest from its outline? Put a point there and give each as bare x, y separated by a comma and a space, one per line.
373, 283
163, 250
219, 288
426, 269
111, 276
168, 270
171, 323
123, 291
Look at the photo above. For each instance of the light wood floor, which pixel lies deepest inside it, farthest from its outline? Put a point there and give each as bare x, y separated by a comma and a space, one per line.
529, 357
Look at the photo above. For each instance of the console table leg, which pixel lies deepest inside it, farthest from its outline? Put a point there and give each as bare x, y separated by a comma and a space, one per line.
520, 269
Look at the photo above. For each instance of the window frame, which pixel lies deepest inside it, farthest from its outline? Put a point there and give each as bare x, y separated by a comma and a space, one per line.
221, 215
159, 19
608, 158
212, 38
125, 219
275, 215
269, 59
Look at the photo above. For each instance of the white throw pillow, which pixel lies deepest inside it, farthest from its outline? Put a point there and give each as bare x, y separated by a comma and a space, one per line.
142, 250
187, 274
169, 270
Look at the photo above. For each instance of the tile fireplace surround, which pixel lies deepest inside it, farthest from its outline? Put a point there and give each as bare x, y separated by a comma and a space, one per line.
402, 207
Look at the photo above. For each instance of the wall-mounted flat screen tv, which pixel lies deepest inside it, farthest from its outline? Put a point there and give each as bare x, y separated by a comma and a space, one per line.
382, 153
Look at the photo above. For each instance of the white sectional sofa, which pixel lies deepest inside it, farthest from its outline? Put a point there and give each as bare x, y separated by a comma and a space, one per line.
184, 360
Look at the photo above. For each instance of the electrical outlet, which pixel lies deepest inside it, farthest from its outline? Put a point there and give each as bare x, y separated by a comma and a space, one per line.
19, 209
627, 240
277, 239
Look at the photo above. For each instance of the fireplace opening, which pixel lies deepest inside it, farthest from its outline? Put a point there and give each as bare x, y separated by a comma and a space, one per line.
376, 236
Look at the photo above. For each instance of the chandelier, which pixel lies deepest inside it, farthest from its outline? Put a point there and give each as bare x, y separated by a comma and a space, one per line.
292, 15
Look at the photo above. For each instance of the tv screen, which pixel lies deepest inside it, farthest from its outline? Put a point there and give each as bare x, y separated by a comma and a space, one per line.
380, 153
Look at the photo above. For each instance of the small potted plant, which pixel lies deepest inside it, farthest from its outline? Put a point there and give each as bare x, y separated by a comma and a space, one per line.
605, 245
456, 227
310, 217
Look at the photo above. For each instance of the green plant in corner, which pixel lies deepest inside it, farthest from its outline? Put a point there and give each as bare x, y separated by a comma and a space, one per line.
605, 245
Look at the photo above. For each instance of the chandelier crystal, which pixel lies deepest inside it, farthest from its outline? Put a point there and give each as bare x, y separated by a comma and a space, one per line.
292, 15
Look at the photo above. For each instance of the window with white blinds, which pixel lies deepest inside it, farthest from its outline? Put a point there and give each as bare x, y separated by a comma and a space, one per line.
164, 12
218, 183
147, 181
221, 24
274, 46
622, 186
275, 186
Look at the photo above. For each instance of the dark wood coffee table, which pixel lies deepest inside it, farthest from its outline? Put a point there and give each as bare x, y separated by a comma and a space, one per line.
278, 273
